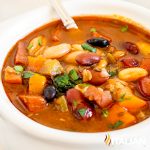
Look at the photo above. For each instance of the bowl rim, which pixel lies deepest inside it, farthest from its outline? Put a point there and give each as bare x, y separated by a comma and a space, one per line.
9, 112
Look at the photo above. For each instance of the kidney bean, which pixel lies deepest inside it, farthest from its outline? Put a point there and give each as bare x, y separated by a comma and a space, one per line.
80, 108
87, 59
144, 86
130, 62
100, 42
97, 78
131, 48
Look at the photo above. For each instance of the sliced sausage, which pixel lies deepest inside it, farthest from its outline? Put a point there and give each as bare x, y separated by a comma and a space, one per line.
144, 86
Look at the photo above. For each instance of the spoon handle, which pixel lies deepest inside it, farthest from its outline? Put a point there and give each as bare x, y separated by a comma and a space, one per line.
66, 19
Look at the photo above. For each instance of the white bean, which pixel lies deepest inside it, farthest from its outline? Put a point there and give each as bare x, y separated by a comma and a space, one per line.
57, 51
132, 74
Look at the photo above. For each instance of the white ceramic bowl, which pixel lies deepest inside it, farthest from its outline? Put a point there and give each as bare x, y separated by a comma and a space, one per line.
28, 134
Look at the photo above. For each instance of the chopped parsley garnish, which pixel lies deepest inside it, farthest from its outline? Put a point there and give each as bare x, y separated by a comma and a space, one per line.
65, 82
105, 113
27, 74
19, 68
116, 125
124, 28
89, 48
73, 75
40, 41
75, 103
83, 85
93, 30
82, 111
122, 97
30, 46
113, 73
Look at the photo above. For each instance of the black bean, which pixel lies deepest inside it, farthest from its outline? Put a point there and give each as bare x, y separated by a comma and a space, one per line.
49, 93
100, 42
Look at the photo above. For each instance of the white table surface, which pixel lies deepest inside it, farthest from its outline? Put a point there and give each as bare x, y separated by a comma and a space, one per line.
11, 8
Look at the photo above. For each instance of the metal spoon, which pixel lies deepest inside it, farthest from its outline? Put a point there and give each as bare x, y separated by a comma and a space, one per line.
68, 21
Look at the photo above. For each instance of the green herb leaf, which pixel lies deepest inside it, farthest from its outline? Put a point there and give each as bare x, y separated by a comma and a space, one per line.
75, 103
86, 46
105, 113
40, 41
82, 112
19, 68
113, 73
124, 28
122, 97
27, 74
73, 75
30, 46
93, 30
63, 83
66, 81
116, 125
84, 85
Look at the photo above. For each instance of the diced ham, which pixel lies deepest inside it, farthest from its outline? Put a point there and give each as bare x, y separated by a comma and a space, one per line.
21, 55
102, 98
106, 99
98, 78
34, 104
11, 76
80, 108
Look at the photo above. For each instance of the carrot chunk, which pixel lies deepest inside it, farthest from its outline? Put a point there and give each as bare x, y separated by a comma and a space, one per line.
133, 104
118, 113
34, 104
36, 84
21, 55
146, 64
11, 76
35, 63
